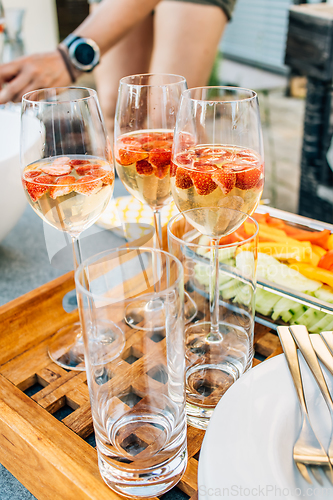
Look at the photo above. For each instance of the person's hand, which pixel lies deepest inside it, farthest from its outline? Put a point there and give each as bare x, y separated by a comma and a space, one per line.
30, 73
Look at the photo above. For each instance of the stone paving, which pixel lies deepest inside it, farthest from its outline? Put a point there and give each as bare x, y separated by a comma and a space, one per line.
283, 143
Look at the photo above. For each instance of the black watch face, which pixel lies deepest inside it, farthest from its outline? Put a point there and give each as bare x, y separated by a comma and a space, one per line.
84, 54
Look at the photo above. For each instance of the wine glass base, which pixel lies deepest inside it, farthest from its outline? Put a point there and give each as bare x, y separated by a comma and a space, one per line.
190, 308
150, 313
67, 349
213, 366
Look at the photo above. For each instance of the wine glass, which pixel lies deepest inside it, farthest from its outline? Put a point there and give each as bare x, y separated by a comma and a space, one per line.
218, 164
68, 177
144, 124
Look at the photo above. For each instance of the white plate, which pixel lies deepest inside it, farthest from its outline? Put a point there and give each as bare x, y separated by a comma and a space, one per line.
247, 449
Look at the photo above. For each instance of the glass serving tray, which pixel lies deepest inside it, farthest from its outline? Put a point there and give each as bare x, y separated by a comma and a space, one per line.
299, 222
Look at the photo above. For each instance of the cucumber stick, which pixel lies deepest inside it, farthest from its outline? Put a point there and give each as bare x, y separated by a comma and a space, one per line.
297, 311
309, 317
326, 323
293, 312
230, 289
324, 293
265, 301
244, 295
282, 306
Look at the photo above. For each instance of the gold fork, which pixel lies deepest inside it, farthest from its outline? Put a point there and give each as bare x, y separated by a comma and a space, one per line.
321, 344
328, 337
308, 452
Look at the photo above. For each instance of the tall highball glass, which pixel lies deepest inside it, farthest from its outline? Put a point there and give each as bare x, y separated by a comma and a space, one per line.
212, 366
135, 377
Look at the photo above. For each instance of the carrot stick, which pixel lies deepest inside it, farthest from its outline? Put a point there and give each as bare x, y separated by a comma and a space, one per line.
326, 261
261, 217
317, 237
274, 222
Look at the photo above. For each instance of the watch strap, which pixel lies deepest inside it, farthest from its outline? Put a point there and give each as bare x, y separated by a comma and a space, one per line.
70, 39
67, 62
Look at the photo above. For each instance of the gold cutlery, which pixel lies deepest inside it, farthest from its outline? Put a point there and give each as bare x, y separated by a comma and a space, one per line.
308, 452
322, 350
328, 337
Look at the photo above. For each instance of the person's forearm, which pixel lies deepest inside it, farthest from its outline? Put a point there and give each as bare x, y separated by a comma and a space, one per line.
113, 19
106, 26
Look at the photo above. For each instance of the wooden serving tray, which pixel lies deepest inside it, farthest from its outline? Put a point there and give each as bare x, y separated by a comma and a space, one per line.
53, 457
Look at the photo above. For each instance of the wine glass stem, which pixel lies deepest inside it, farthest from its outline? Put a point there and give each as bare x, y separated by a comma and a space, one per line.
157, 245
77, 255
77, 258
158, 229
214, 334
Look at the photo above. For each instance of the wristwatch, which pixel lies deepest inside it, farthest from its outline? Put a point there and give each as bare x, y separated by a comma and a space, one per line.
83, 53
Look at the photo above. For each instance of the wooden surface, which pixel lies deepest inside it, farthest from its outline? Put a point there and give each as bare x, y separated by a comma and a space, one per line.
52, 458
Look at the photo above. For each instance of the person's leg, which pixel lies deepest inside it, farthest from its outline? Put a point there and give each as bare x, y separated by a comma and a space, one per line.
130, 56
186, 37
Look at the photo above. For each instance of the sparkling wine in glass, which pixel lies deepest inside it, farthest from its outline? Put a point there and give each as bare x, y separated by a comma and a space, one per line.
217, 176
67, 176
224, 165
144, 124
143, 164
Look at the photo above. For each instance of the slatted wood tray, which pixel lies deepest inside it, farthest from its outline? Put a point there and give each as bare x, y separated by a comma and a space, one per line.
55, 458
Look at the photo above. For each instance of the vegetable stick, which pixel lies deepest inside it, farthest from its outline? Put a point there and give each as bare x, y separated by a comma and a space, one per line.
314, 273
317, 237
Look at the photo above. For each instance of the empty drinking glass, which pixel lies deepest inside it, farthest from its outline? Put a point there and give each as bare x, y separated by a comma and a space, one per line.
136, 377
213, 364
